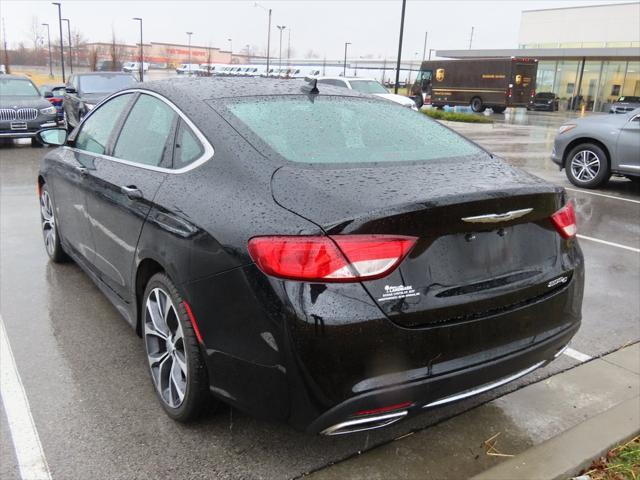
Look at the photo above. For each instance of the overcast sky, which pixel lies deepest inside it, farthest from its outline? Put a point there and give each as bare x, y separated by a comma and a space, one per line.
322, 26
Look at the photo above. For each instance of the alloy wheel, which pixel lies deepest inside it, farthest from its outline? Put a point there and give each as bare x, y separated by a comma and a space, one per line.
585, 166
48, 222
164, 341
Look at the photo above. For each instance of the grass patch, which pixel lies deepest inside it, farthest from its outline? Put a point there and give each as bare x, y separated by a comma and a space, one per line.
621, 463
456, 116
39, 78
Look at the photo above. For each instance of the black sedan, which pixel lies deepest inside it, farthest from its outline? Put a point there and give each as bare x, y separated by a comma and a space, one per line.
23, 110
321, 258
544, 101
85, 90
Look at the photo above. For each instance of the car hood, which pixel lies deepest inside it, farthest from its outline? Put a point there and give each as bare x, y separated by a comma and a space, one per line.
331, 196
405, 101
23, 102
93, 98
599, 119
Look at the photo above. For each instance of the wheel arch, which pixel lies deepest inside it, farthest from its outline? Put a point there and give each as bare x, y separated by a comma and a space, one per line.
147, 268
574, 143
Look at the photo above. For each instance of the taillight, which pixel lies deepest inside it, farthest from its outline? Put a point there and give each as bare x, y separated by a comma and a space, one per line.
387, 409
509, 92
565, 221
340, 258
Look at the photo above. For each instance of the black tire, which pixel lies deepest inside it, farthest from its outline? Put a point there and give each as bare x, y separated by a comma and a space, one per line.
477, 105
50, 233
35, 143
498, 109
196, 397
587, 166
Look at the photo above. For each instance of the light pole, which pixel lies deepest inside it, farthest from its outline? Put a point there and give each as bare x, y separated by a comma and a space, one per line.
404, 5
69, 37
344, 66
281, 28
141, 51
471, 37
289, 47
431, 50
189, 57
424, 50
50, 58
64, 79
230, 40
256, 4
248, 47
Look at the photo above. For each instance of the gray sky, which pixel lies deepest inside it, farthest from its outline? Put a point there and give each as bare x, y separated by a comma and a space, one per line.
323, 26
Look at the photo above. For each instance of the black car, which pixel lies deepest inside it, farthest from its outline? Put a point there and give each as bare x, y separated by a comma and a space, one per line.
287, 252
85, 90
55, 95
23, 110
544, 101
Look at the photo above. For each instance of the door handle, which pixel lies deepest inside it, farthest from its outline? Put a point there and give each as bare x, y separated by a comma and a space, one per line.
131, 191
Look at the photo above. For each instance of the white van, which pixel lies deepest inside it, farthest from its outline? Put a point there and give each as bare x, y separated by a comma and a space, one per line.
132, 67
188, 68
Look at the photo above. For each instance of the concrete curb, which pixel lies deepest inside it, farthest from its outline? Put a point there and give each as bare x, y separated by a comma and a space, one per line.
564, 455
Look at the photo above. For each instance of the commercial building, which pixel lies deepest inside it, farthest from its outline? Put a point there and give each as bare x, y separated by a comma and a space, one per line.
589, 56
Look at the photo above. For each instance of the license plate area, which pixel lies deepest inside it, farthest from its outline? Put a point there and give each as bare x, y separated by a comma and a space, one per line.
18, 126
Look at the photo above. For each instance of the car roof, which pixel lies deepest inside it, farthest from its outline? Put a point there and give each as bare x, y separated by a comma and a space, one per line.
204, 88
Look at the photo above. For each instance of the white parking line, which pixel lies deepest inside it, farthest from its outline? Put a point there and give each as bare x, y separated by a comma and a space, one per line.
611, 244
26, 442
587, 192
576, 355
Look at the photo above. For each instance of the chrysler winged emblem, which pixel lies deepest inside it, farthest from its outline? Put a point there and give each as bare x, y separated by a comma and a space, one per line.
498, 217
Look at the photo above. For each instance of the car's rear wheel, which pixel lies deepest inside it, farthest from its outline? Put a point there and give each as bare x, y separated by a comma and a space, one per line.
477, 105
50, 228
176, 363
587, 166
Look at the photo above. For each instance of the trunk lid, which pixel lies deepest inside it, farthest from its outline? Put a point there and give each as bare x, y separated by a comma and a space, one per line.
462, 267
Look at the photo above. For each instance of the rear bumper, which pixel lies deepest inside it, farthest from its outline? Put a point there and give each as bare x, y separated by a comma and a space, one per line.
441, 390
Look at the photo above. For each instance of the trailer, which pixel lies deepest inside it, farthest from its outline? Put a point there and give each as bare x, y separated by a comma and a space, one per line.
481, 83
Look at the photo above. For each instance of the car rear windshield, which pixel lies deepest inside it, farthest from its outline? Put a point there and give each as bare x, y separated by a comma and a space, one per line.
545, 95
18, 87
346, 130
629, 99
104, 83
367, 86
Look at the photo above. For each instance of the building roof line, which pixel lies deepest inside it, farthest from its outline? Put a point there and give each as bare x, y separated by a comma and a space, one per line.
582, 6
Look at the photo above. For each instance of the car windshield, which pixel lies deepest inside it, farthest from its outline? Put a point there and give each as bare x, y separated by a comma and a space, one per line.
629, 99
545, 95
104, 83
17, 87
346, 130
367, 86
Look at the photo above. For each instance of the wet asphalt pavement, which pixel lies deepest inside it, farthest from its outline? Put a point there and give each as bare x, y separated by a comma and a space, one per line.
84, 370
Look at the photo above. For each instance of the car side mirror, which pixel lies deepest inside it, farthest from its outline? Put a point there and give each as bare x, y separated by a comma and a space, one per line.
70, 90
48, 94
52, 136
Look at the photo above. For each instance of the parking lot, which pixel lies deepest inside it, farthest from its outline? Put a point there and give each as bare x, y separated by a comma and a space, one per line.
84, 370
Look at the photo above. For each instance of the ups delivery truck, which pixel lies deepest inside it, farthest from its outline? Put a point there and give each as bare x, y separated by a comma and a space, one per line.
481, 83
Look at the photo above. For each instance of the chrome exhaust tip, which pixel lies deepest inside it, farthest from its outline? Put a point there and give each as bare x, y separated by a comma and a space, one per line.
365, 423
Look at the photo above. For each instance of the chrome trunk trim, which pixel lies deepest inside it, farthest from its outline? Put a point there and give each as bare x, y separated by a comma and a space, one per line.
364, 423
498, 217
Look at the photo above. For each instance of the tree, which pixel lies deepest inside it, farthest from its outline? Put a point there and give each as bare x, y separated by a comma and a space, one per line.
116, 52
312, 54
92, 58
80, 46
35, 33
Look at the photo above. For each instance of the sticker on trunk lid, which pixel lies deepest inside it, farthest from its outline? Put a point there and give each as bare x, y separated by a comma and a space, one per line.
396, 292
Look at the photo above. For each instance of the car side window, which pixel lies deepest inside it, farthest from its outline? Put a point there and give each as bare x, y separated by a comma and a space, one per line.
96, 130
187, 148
146, 133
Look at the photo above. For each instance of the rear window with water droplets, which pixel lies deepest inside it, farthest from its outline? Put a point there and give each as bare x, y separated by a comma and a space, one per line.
338, 130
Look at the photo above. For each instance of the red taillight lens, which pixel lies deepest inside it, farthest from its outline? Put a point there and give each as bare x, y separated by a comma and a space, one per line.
340, 258
565, 221
390, 408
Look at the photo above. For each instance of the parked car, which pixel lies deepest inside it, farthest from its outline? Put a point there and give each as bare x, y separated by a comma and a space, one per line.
85, 90
3, 69
625, 104
188, 68
55, 95
23, 110
300, 260
593, 148
108, 66
134, 67
544, 101
368, 86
